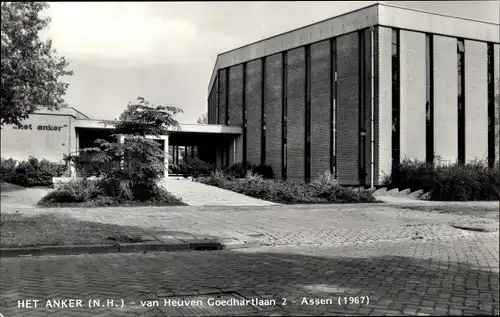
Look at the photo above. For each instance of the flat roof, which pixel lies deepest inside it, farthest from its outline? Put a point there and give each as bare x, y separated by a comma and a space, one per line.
376, 14
183, 127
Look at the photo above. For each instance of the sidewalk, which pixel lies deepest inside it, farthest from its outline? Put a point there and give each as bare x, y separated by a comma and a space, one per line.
198, 194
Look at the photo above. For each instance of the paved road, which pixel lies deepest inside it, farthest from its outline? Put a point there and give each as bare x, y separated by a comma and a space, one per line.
418, 277
280, 225
404, 260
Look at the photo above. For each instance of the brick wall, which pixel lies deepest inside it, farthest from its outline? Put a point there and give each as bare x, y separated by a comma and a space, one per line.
222, 96
445, 98
236, 95
320, 108
476, 101
253, 99
348, 108
272, 95
296, 114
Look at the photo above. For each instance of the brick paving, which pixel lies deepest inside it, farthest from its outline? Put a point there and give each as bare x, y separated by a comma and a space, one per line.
280, 225
405, 261
421, 277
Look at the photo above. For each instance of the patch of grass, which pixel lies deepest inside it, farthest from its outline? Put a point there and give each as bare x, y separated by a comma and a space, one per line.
18, 230
322, 190
89, 193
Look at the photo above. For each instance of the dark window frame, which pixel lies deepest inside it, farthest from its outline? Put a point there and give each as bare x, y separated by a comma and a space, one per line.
396, 98
307, 134
461, 100
429, 64
333, 106
227, 120
217, 107
362, 108
244, 113
491, 104
284, 105
263, 113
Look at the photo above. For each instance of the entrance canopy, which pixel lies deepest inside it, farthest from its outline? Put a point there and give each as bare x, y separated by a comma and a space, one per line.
215, 144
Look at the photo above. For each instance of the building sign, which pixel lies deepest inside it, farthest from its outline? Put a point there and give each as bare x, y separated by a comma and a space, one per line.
40, 127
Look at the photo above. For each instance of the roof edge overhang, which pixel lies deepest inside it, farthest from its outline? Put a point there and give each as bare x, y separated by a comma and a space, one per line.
382, 14
183, 127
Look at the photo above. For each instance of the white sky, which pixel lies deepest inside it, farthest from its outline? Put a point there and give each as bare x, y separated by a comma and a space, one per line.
165, 51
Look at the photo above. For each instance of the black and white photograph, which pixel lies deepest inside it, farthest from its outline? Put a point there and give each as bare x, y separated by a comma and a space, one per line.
250, 158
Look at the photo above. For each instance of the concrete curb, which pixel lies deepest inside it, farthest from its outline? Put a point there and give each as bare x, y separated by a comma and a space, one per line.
126, 248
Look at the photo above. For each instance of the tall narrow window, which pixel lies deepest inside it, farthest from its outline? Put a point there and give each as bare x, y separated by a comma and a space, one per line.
244, 112
395, 100
307, 149
228, 121
429, 105
491, 106
284, 96
217, 120
263, 114
333, 115
362, 109
461, 100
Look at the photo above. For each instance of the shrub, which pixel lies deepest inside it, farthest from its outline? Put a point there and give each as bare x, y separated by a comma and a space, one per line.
455, 182
99, 192
239, 170
31, 172
195, 167
265, 170
324, 189
7, 169
75, 191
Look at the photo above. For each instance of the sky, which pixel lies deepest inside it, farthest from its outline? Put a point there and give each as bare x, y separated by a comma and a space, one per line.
165, 51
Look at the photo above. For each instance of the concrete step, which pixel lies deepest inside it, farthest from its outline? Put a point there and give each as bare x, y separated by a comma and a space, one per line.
380, 192
393, 192
404, 192
416, 194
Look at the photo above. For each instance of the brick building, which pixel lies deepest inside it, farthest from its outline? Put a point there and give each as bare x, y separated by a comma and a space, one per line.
357, 93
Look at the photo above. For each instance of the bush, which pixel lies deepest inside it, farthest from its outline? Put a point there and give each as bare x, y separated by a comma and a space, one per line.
456, 182
196, 167
30, 173
99, 192
75, 191
239, 170
324, 189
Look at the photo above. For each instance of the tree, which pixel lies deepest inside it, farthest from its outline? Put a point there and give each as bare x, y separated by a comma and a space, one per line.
131, 169
31, 71
203, 119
